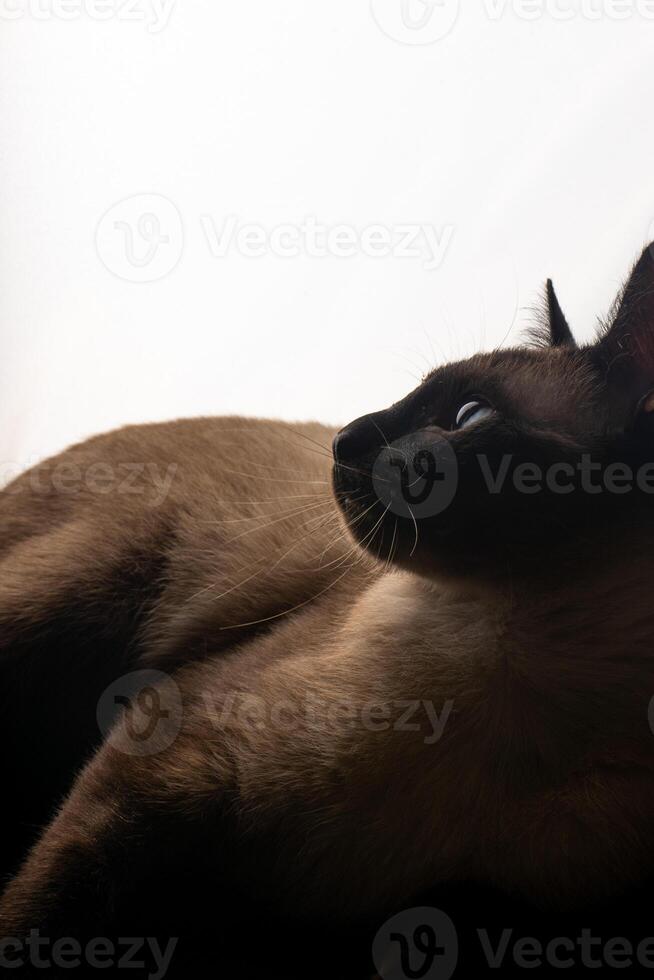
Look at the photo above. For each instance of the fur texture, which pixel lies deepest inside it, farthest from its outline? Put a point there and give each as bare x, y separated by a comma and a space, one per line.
521, 625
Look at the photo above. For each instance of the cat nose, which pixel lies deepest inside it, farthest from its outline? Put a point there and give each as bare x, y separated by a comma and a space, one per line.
356, 440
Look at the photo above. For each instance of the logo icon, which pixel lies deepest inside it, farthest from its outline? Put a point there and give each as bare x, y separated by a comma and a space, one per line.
141, 712
415, 21
141, 238
417, 944
416, 478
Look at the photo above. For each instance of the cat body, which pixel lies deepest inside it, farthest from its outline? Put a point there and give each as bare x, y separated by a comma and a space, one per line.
113, 556
462, 695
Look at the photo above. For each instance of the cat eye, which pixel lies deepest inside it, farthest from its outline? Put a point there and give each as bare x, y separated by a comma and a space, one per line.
471, 412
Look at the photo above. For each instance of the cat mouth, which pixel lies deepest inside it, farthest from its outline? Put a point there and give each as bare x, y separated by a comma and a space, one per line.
374, 523
358, 502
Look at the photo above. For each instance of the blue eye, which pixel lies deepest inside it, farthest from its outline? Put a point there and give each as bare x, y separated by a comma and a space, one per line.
471, 412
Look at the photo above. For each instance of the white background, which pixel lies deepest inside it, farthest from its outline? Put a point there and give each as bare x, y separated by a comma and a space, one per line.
525, 136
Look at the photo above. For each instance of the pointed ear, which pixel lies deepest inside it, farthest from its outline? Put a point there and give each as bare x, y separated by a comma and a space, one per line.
626, 347
560, 332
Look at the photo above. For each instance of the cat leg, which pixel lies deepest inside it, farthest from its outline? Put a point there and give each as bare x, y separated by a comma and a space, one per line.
144, 818
69, 608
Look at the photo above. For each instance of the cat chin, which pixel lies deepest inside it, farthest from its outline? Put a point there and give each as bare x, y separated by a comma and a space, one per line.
438, 562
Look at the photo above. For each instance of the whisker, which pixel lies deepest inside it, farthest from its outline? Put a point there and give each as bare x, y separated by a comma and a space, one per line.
391, 549
263, 517
296, 432
353, 469
415, 524
341, 532
277, 520
433, 352
322, 592
356, 546
328, 454
369, 535
272, 500
270, 479
254, 574
379, 526
275, 467
365, 549
388, 446
286, 612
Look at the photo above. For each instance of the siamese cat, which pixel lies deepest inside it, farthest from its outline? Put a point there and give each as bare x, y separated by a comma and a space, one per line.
428, 661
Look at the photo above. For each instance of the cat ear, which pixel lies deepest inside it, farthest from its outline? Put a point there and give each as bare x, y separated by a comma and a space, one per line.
626, 348
560, 332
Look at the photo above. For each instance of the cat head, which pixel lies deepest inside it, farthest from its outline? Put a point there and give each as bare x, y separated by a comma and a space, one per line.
513, 455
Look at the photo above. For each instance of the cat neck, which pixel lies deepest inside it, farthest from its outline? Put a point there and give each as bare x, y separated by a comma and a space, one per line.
546, 670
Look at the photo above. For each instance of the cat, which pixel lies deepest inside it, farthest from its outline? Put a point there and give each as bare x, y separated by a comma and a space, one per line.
439, 672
